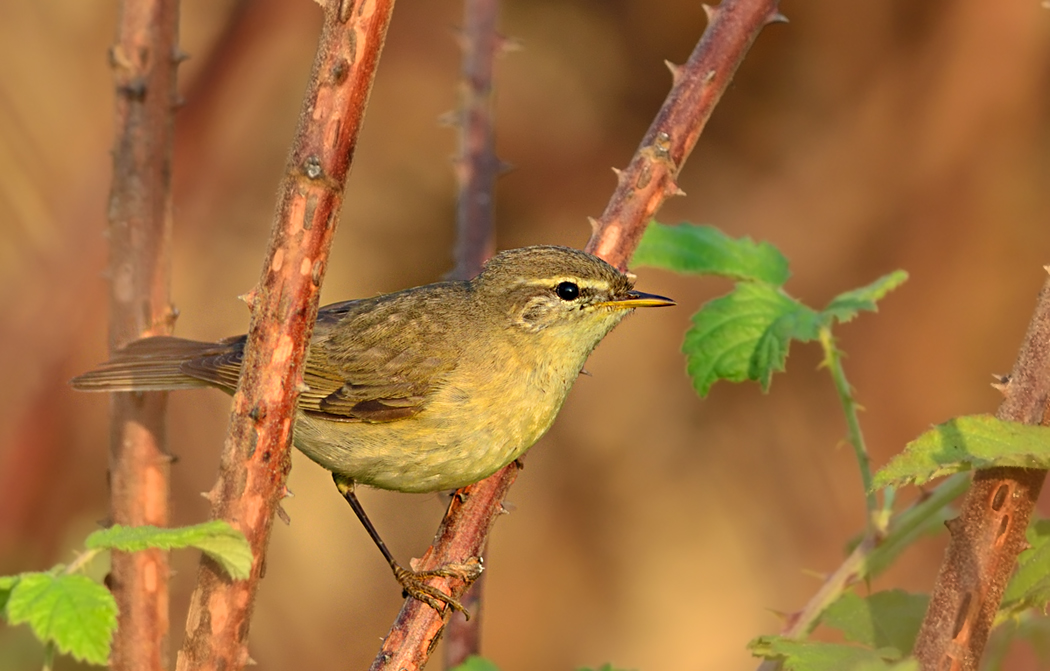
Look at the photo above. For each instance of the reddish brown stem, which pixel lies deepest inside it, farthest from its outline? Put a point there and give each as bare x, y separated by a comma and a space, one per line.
462, 535
255, 459
698, 86
649, 179
476, 170
476, 166
463, 636
144, 62
990, 530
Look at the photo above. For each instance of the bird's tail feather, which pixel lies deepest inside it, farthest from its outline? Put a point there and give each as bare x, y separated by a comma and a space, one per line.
149, 364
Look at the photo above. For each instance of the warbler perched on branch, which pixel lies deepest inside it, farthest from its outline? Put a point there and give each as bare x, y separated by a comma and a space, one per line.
426, 389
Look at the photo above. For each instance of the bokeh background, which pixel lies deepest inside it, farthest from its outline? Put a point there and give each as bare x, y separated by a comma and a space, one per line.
650, 528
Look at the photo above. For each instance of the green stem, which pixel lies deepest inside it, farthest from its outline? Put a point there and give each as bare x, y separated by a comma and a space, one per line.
920, 518
833, 361
82, 560
49, 656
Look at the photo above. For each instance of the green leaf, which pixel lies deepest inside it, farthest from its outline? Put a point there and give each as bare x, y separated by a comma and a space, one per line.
705, 250
75, 612
845, 306
7, 583
745, 335
1030, 585
216, 538
887, 619
475, 663
814, 656
964, 444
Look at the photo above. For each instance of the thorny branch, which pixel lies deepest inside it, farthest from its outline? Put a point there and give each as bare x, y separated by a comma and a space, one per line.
144, 61
642, 189
649, 179
476, 170
255, 459
990, 531
476, 165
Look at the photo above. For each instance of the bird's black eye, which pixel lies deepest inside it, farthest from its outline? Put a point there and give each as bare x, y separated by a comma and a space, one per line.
567, 291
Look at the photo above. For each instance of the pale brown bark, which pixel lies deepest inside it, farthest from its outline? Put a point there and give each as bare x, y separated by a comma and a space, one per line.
144, 62
990, 530
477, 168
255, 459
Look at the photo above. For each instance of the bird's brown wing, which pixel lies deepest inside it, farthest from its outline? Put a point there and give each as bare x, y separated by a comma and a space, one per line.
374, 359
366, 362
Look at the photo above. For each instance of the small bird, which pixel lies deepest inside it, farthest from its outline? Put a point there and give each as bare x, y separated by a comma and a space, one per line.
426, 389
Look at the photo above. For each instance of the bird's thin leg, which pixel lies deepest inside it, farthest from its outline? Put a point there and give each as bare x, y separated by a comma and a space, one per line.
412, 582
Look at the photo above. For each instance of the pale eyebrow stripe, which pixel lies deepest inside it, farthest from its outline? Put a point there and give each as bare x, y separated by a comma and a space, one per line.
553, 281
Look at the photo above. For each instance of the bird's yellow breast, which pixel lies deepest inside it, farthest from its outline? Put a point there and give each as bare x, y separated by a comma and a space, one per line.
484, 415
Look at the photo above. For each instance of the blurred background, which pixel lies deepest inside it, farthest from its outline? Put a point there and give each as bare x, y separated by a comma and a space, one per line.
650, 528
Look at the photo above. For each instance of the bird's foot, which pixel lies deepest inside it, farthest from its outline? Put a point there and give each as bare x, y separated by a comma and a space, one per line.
413, 583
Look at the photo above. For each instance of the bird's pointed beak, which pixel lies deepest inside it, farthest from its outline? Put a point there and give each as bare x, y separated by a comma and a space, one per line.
637, 299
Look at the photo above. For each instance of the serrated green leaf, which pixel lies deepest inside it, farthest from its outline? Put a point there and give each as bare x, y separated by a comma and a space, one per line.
845, 306
705, 250
216, 538
475, 663
745, 335
887, 619
75, 612
1030, 585
814, 656
964, 444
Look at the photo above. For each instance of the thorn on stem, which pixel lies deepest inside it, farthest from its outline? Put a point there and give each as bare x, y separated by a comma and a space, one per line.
459, 37
781, 615
1002, 383
282, 515
953, 525
710, 11
449, 119
506, 45
249, 297
676, 71
777, 18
